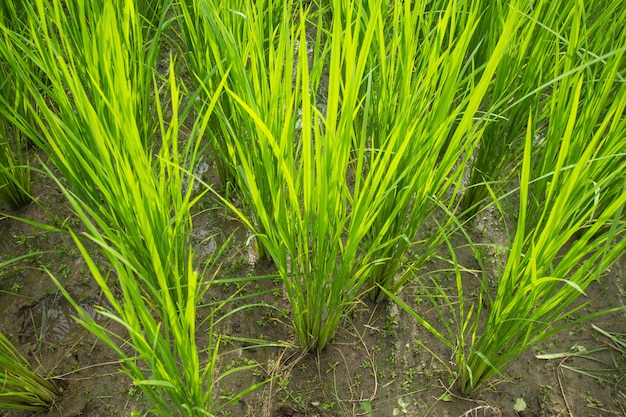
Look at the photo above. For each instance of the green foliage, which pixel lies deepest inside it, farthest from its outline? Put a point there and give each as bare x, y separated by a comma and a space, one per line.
422, 120
577, 234
132, 193
347, 133
570, 227
292, 172
235, 43
527, 63
341, 175
20, 387
14, 100
14, 169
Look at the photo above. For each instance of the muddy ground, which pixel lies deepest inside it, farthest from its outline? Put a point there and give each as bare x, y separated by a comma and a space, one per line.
381, 362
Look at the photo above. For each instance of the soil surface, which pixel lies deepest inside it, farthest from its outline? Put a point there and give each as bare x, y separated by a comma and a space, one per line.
380, 363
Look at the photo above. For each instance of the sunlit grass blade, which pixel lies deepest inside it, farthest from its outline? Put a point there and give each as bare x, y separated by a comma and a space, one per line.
570, 219
14, 99
419, 144
133, 194
21, 388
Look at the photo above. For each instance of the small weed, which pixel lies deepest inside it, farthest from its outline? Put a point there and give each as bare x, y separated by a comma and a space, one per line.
402, 407
328, 405
544, 395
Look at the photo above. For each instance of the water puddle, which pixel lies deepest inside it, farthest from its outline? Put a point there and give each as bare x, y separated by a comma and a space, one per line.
51, 320
209, 238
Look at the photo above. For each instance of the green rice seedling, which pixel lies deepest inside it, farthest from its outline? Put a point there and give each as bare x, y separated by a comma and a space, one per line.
526, 64
133, 199
218, 42
293, 174
422, 120
557, 38
577, 233
21, 388
232, 42
331, 192
604, 73
14, 170
548, 268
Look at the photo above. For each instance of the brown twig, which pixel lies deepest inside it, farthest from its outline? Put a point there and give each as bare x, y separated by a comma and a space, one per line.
558, 377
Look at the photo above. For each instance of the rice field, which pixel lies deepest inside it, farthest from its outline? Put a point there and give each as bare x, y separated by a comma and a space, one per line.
309, 208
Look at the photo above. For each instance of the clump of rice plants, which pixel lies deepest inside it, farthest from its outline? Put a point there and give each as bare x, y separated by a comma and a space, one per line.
556, 39
570, 226
233, 43
527, 63
340, 182
14, 170
292, 171
132, 191
21, 388
573, 241
422, 120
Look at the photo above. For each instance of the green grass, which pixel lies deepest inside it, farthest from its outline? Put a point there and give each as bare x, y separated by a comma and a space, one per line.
570, 226
570, 230
341, 177
14, 122
131, 188
344, 134
234, 43
21, 388
423, 117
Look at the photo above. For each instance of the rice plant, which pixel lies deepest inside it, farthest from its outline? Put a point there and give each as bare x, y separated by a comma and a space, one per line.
570, 229
14, 170
218, 42
21, 388
232, 43
133, 193
333, 195
556, 39
295, 177
526, 64
422, 121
